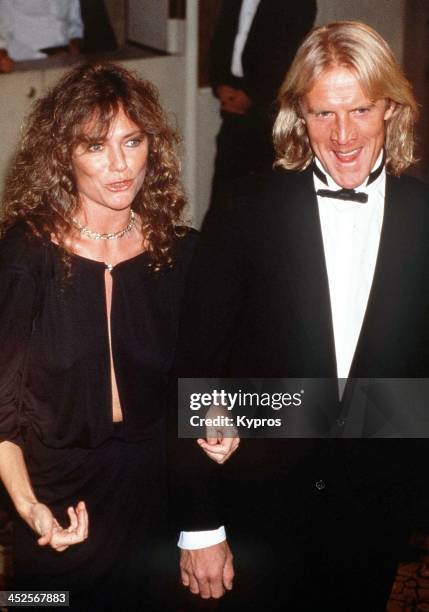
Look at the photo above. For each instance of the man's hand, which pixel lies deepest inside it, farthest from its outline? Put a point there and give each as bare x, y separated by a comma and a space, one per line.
233, 100
6, 64
207, 571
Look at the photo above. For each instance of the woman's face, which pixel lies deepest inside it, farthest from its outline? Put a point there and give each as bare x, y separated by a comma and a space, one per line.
109, 173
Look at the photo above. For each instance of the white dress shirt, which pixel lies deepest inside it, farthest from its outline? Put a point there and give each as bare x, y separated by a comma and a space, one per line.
351, 237
26, 26
247, 13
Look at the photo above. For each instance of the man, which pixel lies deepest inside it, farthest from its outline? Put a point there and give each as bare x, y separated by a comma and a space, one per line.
319, 269
252, 48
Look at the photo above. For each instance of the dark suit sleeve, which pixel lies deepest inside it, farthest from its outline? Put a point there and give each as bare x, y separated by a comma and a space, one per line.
211, 306
214, 296
194, 486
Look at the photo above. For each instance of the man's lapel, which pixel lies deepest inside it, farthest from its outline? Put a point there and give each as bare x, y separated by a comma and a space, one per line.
304, 259
369, 359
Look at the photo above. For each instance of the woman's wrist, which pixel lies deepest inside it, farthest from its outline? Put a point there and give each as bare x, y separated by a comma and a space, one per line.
24, 507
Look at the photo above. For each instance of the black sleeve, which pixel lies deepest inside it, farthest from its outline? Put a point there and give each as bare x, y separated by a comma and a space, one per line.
211, 305
214, 296
17, 302
193, 483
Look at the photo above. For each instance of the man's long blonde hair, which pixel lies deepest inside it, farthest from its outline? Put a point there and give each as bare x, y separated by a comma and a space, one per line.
362, 50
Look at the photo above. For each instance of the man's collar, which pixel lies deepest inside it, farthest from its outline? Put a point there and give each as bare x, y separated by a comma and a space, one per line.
360, 194
376, 172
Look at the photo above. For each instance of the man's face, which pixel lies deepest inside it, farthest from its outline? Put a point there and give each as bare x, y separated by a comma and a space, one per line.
345, 127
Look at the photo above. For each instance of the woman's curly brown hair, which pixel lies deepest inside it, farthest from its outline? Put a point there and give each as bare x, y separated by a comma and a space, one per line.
41, 188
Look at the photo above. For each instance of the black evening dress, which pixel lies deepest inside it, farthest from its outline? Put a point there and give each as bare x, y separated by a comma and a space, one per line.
55, 402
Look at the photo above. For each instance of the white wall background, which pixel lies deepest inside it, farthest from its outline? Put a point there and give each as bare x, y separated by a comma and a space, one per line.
385, 16
208, 123
148, 22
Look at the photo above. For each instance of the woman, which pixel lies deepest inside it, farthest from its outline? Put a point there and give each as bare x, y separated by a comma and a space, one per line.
92, 261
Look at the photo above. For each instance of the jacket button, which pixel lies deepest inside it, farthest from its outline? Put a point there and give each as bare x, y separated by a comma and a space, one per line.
320, 485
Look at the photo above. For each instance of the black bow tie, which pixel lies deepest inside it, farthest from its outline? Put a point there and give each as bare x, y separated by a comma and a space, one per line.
347, 194
344, 194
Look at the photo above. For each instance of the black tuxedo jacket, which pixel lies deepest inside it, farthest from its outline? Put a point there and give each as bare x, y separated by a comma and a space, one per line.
258, 305
276, 32
259, 297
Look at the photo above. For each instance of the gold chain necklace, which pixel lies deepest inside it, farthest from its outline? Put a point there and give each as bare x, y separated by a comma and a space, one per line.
108, 236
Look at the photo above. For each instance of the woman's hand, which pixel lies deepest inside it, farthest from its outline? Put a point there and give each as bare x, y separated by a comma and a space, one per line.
219, 449
42, 521
14, 474
222, 441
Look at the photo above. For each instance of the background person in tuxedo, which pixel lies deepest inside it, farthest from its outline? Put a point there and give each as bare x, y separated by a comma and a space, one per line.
252, 48
320, 269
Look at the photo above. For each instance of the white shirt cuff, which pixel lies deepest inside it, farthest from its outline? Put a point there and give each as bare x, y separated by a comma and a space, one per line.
191, 540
